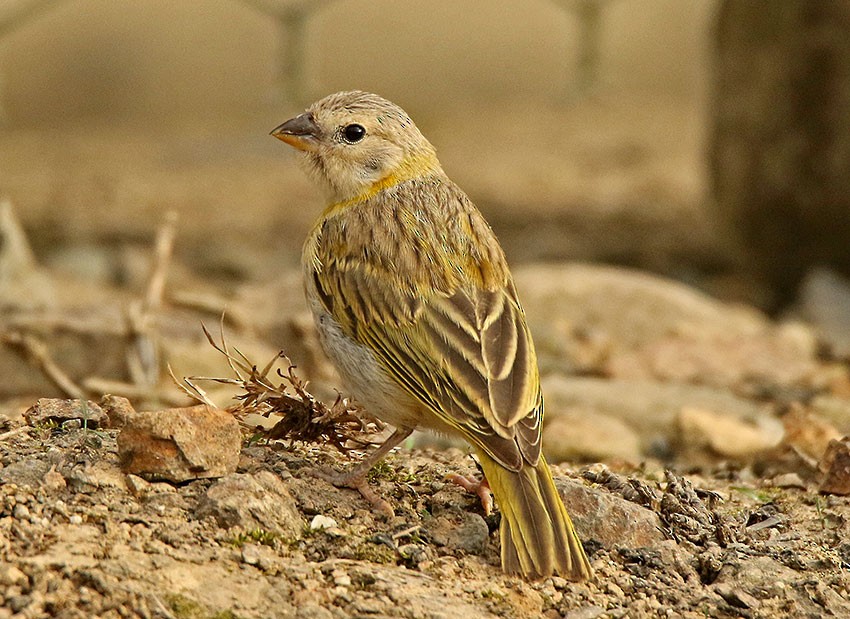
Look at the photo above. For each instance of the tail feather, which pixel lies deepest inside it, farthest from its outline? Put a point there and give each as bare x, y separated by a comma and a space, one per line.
537, 535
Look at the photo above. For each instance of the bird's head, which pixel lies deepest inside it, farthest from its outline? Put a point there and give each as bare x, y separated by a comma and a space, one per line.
355, 141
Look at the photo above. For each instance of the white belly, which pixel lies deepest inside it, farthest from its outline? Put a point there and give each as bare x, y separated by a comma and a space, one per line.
363, 376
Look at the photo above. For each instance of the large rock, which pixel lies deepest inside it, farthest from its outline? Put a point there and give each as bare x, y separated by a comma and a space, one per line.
836, 467
607, 518
458, 530
247, 501
655, 328
649, 409
58, 411
582, 434
725, 434
180, 444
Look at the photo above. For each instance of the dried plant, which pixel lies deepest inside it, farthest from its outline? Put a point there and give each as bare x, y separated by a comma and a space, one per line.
303, 417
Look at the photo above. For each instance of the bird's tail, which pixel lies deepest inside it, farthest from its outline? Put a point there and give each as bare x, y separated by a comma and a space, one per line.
538, 538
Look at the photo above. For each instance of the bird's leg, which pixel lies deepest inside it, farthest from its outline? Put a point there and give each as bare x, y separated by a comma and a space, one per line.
356, 477
480, 488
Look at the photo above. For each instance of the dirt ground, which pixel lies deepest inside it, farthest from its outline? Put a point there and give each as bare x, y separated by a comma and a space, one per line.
80, 539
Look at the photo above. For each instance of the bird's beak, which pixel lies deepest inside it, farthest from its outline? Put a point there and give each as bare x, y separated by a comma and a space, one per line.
302, 132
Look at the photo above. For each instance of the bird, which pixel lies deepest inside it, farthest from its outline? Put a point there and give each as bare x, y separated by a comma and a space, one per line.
416, 307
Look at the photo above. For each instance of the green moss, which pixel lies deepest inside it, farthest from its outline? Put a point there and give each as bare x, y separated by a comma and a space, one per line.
258, 535
375, 553
384, 471
184, 607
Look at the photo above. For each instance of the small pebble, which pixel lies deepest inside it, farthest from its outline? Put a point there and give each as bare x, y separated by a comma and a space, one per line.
75, 519
137, 485
788, 480
21, 512
322, 522
53, 480
559, 582
250, 554
11, 575
615, 590
341, 578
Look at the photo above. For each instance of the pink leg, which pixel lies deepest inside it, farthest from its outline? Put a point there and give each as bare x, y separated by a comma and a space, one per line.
479, 488
356, 477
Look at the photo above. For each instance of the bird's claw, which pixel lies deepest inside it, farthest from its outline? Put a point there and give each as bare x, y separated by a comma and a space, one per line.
479, 488
357, 481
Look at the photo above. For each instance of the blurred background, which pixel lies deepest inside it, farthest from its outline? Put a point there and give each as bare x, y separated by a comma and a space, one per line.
578, 126
704, 142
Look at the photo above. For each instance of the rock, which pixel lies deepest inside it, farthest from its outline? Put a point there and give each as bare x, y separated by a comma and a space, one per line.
320, 522
262, 556
649, 408
11, 576
180, 444
252, 501
658, 328
460, 530
28, 472
825, 302
727, 435
633, 307
807, 432
584, 435
776, 587
118, 409
788, 480
99, 474
250, 554
776, 355
137, 486
588, 612
311, 610
836, 467
736, 597
53, 481
58, 411
608, 519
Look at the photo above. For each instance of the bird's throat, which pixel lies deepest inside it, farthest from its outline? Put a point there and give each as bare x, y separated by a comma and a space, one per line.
415, 166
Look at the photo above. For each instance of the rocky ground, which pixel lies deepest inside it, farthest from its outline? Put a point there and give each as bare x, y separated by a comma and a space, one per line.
79, 538
707, 488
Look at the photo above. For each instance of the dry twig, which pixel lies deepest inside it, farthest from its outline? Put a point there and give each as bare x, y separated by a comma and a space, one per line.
303, 417
37, 351
164, 393
143, 356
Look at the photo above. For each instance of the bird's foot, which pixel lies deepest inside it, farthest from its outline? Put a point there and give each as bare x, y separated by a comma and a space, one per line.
480, 488
356, 480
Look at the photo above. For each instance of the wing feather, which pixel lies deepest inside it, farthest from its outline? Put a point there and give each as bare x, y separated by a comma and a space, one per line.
467, 355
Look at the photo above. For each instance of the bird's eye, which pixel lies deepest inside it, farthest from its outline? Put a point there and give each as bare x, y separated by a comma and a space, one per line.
353, 133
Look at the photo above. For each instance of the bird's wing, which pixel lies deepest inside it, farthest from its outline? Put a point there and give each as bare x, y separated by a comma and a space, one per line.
466, 355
